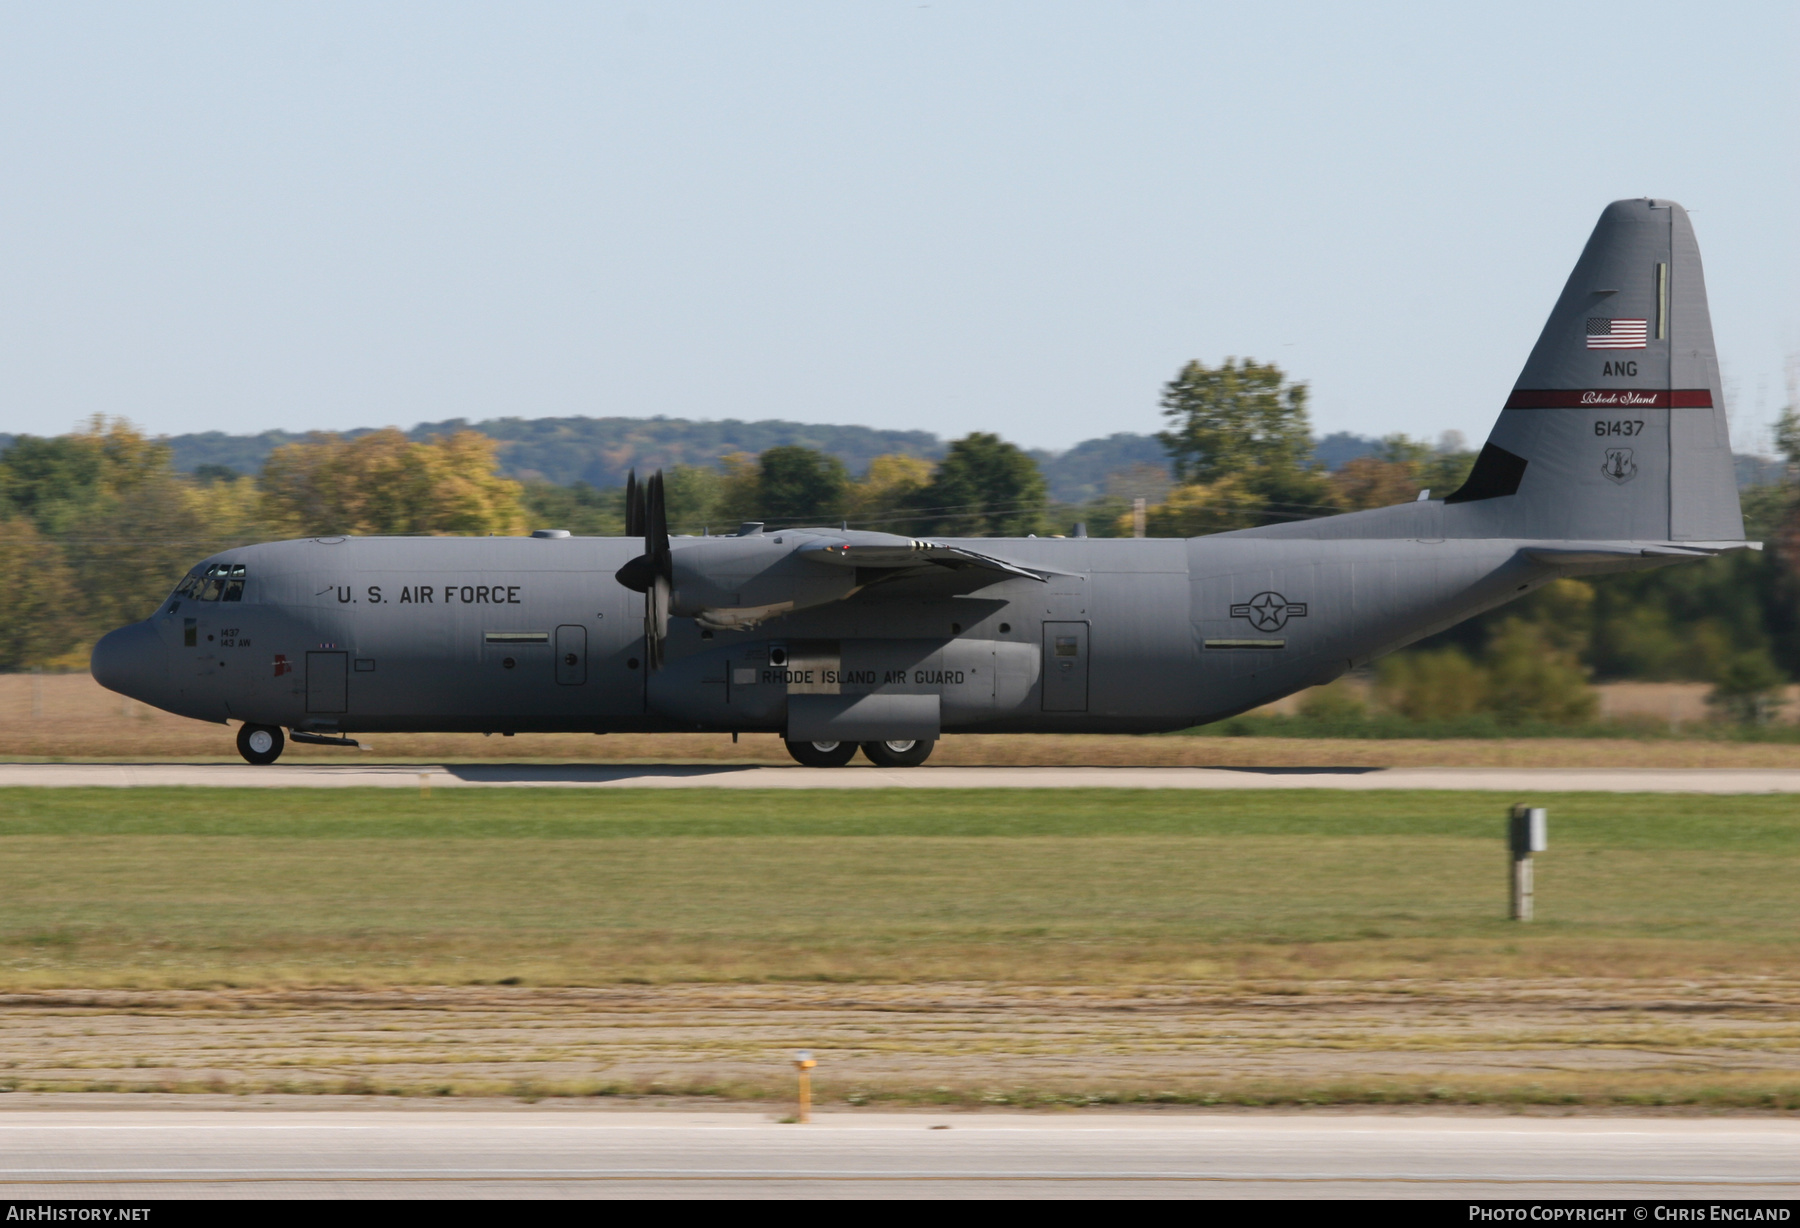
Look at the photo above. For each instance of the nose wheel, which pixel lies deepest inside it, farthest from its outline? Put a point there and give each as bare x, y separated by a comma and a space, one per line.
260, 744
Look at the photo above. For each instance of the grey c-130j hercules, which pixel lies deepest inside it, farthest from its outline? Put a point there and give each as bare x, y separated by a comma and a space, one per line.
1610, 454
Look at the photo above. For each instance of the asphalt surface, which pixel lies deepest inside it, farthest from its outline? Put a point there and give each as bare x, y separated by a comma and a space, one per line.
562, 1153
742, 776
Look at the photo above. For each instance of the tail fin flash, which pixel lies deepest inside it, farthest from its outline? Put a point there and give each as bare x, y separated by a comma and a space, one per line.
1616, 427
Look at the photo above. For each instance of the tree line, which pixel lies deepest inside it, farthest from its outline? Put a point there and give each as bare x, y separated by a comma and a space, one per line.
97, 525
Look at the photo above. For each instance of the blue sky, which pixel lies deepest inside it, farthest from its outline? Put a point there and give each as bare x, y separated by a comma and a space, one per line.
1017, 217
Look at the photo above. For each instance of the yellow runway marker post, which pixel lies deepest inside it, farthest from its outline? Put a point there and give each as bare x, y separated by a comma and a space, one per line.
803, 1062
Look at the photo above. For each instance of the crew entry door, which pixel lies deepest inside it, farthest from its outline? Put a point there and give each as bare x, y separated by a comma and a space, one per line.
327, 682
1065, 667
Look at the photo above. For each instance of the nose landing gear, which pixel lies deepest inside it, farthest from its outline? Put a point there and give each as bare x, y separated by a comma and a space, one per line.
260, 744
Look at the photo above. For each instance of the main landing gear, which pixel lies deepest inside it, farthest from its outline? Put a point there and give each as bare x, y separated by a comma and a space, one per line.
898, 754
907, 753
260, 744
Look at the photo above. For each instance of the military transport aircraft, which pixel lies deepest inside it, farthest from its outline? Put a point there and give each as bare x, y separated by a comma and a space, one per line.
1610, 455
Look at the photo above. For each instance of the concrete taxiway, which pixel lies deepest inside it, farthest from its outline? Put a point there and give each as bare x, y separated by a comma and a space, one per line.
581, 1152
748, 776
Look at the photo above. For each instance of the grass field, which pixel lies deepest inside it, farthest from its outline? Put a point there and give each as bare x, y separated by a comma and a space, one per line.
976, 946
210, 886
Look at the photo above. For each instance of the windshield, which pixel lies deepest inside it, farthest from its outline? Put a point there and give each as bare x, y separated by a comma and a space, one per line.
214, 582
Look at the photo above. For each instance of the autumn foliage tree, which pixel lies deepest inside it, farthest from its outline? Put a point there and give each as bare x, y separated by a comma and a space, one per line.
385, 483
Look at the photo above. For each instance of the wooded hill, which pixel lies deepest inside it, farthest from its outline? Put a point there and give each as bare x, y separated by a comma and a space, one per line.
600, 451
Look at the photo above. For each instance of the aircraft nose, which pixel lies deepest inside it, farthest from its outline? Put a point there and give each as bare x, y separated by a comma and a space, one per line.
129, 661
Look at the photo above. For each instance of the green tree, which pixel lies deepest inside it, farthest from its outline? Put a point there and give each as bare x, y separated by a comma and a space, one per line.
126, 525
1338, 701
798, 485
1787, 436
36, 600
1245, 421
129, 550
1749, 688
984, 487
735, 492
1398, 471
58, 482
1531, 676
1236, 418
1431, 685
581, 509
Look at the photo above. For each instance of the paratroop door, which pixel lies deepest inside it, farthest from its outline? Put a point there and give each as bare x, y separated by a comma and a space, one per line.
327, 682
571, 655
1065, 667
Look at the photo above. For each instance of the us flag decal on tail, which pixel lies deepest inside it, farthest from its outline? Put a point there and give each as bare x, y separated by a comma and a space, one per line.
1604, 334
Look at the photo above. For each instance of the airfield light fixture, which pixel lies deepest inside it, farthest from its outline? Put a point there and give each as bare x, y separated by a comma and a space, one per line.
1528, 832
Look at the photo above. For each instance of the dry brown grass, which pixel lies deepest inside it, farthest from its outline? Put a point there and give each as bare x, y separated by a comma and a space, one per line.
69, 716
1596, 1041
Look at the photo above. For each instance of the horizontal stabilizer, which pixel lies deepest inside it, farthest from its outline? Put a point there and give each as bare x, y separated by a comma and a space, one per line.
1587, 554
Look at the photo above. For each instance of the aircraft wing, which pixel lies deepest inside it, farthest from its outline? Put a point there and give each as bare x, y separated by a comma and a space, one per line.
898, 553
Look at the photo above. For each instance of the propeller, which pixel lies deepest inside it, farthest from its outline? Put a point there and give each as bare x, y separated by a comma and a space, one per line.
652, 572
634, 506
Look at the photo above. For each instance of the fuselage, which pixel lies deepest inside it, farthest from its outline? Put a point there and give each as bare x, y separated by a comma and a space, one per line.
513, 635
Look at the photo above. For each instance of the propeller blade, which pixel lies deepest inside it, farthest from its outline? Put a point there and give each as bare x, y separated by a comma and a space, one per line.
656, 525
638, 574
651, 573
656, 620
662, 568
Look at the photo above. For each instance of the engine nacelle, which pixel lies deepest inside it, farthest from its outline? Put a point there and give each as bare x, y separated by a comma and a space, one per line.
735, 583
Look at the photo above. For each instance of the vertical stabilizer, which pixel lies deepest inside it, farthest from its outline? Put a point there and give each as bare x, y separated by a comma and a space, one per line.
1616, 427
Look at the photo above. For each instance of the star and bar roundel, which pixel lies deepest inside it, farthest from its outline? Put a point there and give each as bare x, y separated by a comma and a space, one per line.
1269, 611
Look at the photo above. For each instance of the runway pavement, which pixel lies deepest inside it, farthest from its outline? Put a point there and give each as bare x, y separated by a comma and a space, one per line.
735, 776
562, 1152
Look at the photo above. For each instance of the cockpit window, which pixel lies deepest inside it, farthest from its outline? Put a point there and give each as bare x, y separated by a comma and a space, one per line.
217, 582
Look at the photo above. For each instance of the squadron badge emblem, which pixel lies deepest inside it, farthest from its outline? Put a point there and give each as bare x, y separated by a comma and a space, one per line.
1269, 611
1619, 467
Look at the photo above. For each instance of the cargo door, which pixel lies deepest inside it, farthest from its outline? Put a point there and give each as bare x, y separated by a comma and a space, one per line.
571, 655
1065, 667
327, 682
